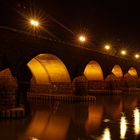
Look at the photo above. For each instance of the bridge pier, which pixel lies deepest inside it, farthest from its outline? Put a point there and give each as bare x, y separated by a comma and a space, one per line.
8, 100
80, 85
8, 88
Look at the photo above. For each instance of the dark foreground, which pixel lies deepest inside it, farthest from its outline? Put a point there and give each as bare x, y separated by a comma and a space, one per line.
108, 118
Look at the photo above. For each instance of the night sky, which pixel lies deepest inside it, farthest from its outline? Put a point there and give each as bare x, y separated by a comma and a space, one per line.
113, 21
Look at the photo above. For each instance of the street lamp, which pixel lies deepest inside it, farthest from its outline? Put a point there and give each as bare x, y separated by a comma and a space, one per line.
34, 23
107, 47
123, 52
136, 56
82, 39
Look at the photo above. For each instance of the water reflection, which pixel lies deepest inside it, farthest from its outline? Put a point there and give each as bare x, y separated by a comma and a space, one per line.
123, 127
33, 138
113, 107
106, 134
47, 126
95, 113
101, 120
136, 121
130, 103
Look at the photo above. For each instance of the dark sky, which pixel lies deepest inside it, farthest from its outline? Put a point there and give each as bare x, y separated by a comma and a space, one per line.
117, 21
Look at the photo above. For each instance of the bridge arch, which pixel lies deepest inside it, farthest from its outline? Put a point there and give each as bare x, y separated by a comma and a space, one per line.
117, 71
48, 68
93, 71
131, 77
133, 72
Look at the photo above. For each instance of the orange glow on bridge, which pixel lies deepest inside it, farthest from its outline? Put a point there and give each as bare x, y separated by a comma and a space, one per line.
117, 71
93, 71
132, 71
48, 68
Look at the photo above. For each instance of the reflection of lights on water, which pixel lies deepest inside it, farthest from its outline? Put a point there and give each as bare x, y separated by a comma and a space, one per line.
106, 134
123, 127
33, 138
106, 120
136, 121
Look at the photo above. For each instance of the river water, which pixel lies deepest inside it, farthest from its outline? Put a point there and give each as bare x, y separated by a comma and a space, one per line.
107, 118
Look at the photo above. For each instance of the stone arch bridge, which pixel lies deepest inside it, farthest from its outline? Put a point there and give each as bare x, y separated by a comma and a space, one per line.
47, 61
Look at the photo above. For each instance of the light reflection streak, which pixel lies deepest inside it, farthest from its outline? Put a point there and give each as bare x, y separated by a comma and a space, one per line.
106, 134
33, 138
123, 127
47, 126
136, 121
93, 121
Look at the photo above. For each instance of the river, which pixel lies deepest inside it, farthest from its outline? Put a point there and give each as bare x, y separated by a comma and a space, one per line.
108, 118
